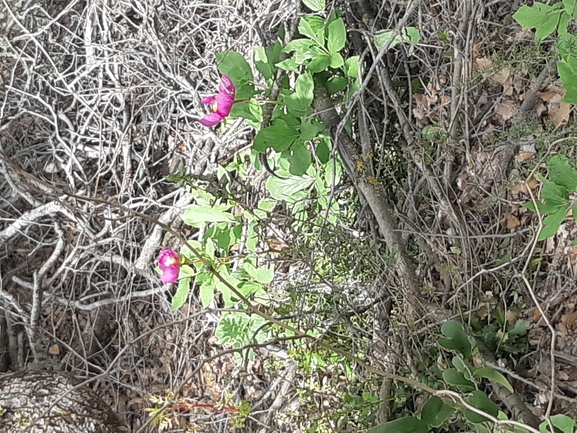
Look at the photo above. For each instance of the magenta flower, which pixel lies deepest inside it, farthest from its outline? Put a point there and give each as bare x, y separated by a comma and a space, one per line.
220, 104
169, 264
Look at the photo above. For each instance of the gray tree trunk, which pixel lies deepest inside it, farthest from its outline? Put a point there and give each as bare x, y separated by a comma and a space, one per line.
49, 402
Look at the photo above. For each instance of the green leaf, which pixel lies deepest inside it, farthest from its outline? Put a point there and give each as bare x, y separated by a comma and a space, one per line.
264, 207
289, 65
261, 62
563, 24
313, 27
261, 274
569, 6
460, 365
291, 189
408, 34
458, 380
251, 237
315, 5
224, 289
382, 38
322, 151
279, 136
199, 216
206, 293
559, 421
548, 26
541, 16
319, 63
299, 102
456, 338
552, 222
479, 400
520, 328
250, 288
336, 61
553, 194
529, 17
302, 49
569, 80
337, 84
181, 294
414, 37
562, 173
237, 68
310, 129
352, 66
186, 271
336, 36
408, 424
273, 53
555, 197
239, 329
249, 110
300, 159
435, 412
493, 375
566, 47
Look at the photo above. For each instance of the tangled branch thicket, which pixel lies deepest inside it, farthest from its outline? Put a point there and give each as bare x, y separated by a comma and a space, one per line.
99, 100
98, 105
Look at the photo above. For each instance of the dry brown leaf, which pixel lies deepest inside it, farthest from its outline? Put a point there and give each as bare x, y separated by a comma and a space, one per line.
477, 48
512, 221
561, 375
421, 111
546, 96
511, 316
569, 319
561, 114
533, 183
508, 88
524, 156
519, 188
505, 110
503, 78
483, 64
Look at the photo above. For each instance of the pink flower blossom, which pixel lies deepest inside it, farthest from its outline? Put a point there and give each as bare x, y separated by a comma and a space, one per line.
169, 264
220, 104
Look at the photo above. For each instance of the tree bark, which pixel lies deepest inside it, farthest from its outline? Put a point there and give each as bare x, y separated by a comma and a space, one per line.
49, 402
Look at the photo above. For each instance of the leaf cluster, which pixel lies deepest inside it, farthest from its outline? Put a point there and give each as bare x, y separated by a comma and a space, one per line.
548, 19
554, 202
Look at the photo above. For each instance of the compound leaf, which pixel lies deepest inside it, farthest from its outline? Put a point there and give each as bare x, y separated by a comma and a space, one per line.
562, 173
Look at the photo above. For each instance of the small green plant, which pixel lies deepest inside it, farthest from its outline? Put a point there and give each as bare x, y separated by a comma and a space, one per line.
499, 336
410, 35
548, 19
555, 198
232, 244
467, 401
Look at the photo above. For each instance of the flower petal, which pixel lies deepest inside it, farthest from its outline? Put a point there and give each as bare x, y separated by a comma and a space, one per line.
167, 258
211, 119
226, 85
170, 274
224, 104
208, 100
